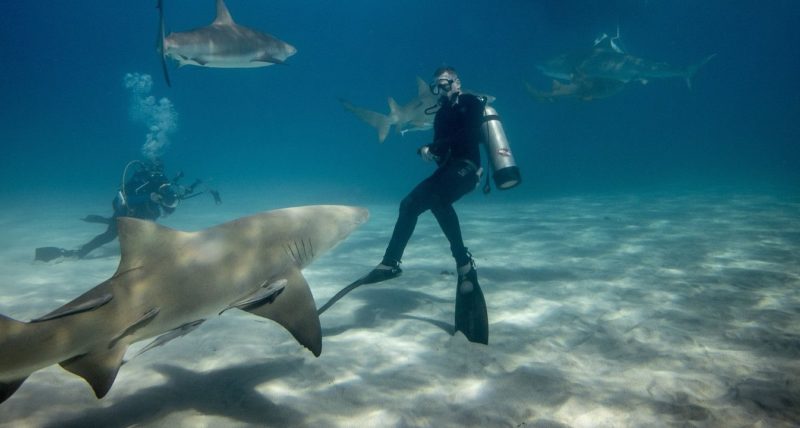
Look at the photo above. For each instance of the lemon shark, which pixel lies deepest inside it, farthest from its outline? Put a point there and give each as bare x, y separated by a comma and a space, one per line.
222, 44
168, 281
416, 115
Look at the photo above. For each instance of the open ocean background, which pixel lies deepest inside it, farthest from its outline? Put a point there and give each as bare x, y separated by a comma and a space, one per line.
645, 273
66, 123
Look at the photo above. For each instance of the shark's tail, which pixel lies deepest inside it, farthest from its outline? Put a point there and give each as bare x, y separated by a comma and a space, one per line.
692, 69
8, 387
160, 43
379, 121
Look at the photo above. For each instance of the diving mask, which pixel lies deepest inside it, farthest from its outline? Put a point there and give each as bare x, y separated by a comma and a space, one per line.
442, 85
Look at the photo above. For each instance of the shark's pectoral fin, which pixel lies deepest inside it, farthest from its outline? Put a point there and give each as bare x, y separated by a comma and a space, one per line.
295, 310
98, 367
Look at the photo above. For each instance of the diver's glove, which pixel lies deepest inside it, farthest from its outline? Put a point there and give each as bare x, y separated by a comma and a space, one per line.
426, 154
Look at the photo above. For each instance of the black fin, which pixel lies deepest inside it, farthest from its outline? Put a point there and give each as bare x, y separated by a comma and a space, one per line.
471, 316
375, 275
45, 254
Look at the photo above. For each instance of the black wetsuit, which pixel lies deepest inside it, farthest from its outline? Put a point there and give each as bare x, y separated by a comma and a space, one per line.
138, 204
456, 143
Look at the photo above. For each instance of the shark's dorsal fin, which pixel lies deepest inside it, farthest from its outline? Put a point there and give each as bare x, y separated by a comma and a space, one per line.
295, 310
394, 108
98, 367
142, 240
423, 90
223, 16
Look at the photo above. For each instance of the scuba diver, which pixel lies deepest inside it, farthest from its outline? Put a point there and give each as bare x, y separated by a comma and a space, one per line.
456, 151
147, 195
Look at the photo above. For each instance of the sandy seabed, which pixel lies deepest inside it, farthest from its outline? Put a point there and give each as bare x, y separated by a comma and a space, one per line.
617, 311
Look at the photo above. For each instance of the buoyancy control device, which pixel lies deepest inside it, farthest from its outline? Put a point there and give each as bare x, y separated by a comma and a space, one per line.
504, 169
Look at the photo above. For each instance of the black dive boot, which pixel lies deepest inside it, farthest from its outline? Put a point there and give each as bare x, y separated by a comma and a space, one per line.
382, 272
471, 316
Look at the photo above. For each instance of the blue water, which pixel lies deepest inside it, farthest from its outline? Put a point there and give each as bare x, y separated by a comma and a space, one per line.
66, 122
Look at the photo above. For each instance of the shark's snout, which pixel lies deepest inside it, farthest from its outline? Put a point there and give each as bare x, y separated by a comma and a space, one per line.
362, 215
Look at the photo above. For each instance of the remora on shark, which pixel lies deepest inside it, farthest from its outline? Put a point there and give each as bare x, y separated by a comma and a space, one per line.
222, 44
168, 281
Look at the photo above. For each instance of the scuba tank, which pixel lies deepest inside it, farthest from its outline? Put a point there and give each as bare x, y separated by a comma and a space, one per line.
504, 169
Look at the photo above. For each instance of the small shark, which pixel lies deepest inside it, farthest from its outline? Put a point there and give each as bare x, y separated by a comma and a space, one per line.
416, 115
606, 62
168, 281
223, 44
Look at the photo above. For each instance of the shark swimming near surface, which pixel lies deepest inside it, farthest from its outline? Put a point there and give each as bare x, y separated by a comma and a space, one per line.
222, 44
416, 115
168, 281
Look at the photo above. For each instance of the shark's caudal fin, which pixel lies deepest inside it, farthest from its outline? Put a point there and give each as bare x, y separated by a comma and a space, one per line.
162, 49
9, 327
296, 312
381, 122
692, 69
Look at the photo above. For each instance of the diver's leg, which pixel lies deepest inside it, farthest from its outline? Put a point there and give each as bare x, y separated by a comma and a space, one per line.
455, 182
471, 317
448, 221
417, 202
99, 240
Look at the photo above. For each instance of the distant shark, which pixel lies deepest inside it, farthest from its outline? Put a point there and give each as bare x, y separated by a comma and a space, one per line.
605, 69
416, 115
168, 281
223, 44
583, 89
